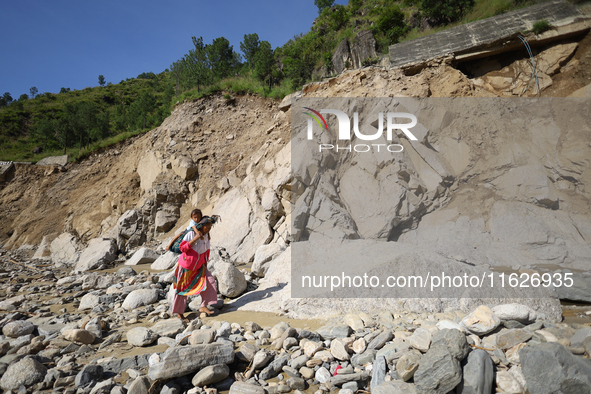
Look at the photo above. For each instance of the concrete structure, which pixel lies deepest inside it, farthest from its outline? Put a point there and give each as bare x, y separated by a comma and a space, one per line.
6, 167
54, 161
488, 36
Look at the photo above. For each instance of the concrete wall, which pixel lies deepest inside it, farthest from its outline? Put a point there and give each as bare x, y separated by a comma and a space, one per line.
481, 34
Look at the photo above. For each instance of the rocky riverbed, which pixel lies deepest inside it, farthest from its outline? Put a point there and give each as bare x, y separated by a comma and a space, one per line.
111, 332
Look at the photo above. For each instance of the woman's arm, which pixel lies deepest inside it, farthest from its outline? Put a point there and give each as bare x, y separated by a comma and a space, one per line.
198, 233
190, 240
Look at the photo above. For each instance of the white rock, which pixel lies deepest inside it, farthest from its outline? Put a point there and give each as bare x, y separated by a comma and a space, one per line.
65, 249
99, 251
519, 312
354, 321
165, 262
142, 256
507, 382
141, 336
88, 301
481, 321
231, 281
420, 339
322, 375
79, 335
448, 324
263, 258
15, 329
359, 345
140, 297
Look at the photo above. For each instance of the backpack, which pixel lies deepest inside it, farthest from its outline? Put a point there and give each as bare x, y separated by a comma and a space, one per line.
176, 245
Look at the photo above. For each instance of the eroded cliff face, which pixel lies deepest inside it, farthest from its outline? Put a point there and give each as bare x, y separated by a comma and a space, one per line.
198, 153
506, 195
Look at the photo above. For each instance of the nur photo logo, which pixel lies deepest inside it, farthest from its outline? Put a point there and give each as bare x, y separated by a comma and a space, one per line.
344, 130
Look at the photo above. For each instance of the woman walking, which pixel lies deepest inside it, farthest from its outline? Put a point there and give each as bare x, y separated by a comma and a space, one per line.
191, 276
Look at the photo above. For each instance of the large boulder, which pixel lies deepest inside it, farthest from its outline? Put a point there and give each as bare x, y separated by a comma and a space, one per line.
26, 372
179, 361
18, 328
141, 336
165, 261
129, 230
65, 250
148, 168
263, 257
184, 167
166, 217
231, 282
364, 47
99, 251
244, 227
44, 249
143, 256
140, 297
341, 55
551, 368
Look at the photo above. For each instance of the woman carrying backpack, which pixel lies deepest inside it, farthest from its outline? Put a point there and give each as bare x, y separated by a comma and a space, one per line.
191, 276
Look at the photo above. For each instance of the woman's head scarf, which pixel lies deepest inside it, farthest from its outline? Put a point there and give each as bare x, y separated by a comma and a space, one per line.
208, 219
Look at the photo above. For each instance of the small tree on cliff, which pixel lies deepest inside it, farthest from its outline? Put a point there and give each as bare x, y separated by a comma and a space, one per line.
263, 63
446, 11
322, 4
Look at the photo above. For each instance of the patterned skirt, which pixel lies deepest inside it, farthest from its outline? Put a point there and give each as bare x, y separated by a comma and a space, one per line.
187, 282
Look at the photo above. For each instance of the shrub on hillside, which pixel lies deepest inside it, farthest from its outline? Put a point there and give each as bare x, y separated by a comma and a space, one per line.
389, 26
446, 11
541, 26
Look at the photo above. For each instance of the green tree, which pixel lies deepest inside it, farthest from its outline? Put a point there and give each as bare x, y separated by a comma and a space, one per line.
141, 108
391, 24
196, 63
337, 18
300, 57
168, 95
322, 4
446, 11
264, 61
5, 99
44, 132
64, 128
91, 123
64, 90
101, 80
354, 5
249, 48
33, 92
23, 97
120, 120
221, 57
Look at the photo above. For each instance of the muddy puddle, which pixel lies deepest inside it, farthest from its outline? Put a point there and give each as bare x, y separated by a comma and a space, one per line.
263, 319
576, 313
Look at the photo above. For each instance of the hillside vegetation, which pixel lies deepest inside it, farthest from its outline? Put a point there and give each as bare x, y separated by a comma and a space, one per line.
80, 121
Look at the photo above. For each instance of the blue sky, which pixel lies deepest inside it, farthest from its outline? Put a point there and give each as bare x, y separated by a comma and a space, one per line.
54, 44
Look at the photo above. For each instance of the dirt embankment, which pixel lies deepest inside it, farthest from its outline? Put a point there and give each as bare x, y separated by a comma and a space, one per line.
87, 198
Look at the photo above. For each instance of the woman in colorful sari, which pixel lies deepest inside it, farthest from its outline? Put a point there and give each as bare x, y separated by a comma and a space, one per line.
191, 276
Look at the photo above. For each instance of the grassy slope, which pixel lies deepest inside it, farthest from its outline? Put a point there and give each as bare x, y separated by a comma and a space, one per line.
18, 119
